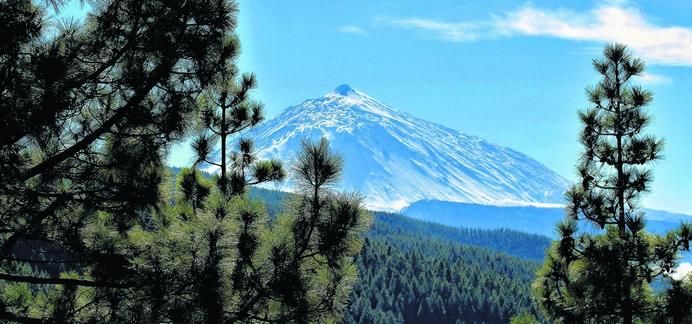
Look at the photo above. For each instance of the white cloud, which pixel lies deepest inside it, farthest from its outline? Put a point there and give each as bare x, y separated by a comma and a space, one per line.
350, 29
650, 78
670, 45
611, 22
455, 32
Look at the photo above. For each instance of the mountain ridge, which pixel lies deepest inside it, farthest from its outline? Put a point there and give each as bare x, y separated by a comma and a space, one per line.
395, 159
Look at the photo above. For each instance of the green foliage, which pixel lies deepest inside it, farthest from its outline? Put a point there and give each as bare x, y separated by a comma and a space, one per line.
604, 275
316, 166
94, 227
88, 111
315, 243
478, 254
523, 319
226, 109
192, 188
676, 303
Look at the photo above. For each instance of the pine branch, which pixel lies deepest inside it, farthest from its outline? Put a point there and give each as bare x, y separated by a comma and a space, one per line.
105, 127
63, 281
20, 319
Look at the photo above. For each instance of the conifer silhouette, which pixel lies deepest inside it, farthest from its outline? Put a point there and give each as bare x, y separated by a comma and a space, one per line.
602, 275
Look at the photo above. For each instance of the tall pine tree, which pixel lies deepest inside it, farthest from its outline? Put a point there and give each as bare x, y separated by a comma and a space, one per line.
602, 275
226, 111
298, 267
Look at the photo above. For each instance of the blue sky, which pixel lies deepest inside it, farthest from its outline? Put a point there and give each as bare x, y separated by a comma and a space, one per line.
511, 72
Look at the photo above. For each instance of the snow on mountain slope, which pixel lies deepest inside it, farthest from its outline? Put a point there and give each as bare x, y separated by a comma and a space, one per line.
395, 159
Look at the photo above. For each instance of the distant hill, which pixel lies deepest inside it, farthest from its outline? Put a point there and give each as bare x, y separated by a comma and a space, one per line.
511, 242
535, 220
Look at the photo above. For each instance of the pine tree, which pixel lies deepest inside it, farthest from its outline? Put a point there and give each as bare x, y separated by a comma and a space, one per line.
226, 111
91, 231
316, 241
87, 114
298, 267
603, 274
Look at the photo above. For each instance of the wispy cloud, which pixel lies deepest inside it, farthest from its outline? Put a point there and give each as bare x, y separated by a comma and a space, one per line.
650, 78
351, 29
455, 32
670, 45
611, 22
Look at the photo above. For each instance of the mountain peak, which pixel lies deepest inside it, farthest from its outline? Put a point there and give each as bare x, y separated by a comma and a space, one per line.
344, 90
395, 159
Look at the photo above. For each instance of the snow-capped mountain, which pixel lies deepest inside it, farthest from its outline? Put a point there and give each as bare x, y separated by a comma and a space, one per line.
395, 159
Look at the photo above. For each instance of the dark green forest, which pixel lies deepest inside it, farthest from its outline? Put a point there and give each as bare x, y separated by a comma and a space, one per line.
418, 279
409, 276
518, 244
411, 271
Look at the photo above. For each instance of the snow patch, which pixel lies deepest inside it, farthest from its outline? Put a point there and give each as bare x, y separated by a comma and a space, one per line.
684, 270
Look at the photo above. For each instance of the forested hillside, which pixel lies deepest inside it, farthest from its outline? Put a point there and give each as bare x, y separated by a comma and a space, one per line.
415, 278
518, 244
415, 271
515, 243
529, 219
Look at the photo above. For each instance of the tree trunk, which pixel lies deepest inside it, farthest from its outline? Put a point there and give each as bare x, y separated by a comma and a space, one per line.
224, 133
626, 306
